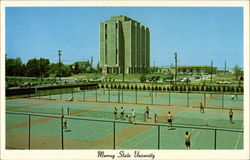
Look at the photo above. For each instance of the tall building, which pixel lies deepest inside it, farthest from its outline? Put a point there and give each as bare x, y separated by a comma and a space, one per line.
124, 46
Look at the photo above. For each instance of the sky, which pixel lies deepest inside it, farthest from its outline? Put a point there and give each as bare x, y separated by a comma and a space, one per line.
198, 35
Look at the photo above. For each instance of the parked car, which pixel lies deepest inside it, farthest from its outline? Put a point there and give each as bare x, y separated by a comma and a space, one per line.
185, 79
167, 79
223, 82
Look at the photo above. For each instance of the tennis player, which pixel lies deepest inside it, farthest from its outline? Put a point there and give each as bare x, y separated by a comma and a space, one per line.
129, 118
231, 115
187, 140
155, 117
133, 115
122, 113
202, 108
115, 112
147, 112
170, 118
65, 125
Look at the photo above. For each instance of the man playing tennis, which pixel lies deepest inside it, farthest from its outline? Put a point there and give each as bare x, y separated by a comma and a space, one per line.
115, 112
65, 125
202, 108
231, 115
122, 113
133, 115
187, 140
147, 112
170, 118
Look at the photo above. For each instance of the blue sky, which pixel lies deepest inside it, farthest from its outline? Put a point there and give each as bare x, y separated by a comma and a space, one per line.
198, 34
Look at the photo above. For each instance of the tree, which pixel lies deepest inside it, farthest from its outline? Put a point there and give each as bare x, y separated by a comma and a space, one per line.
142, 78
44, 67
75, 68
14, 67
65, 70
237, 72
38, 67
33, 68
98, 68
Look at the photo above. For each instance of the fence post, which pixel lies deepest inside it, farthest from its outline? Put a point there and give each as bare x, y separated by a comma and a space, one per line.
204, 99
96, 94
109, 95
222, 99
152, 96
118, 92
122, 95
62, 132
136, 96
29, 129
159, 137
169, 98
114, 135
215, 133
61, 94
50, 94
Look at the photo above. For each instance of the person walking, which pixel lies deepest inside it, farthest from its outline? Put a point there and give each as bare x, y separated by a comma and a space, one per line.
202, 108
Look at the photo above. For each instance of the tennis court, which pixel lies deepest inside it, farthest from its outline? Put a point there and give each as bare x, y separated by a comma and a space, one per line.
36, 123
218, 100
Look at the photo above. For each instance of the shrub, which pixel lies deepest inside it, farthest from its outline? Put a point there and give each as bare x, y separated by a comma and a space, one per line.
148, 88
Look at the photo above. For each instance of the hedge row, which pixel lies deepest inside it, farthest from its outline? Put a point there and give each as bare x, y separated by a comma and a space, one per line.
174, 88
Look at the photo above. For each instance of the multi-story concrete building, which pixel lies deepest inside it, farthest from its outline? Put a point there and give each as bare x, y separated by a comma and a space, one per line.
124, 46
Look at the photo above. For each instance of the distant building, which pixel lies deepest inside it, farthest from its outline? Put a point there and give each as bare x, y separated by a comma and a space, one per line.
197, 69
124, 46
189, 70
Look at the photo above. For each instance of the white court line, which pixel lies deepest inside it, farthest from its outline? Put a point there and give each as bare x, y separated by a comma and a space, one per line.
237, 143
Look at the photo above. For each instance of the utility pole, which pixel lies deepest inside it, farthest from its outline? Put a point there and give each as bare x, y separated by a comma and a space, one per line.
175, 77
40, 62
225, 67
211, 72
91, 63
60, 71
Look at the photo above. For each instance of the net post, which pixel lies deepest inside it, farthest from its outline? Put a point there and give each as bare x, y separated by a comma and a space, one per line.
62, 132
215, 134
114, 135
118, 91
29, 128
61, 94
159, 137
222, 100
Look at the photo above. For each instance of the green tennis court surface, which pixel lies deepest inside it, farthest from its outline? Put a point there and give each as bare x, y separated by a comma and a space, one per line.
89, 134
148, 97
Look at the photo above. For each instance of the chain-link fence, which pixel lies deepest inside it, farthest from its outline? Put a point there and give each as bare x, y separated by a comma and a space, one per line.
167, 98
40, 131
